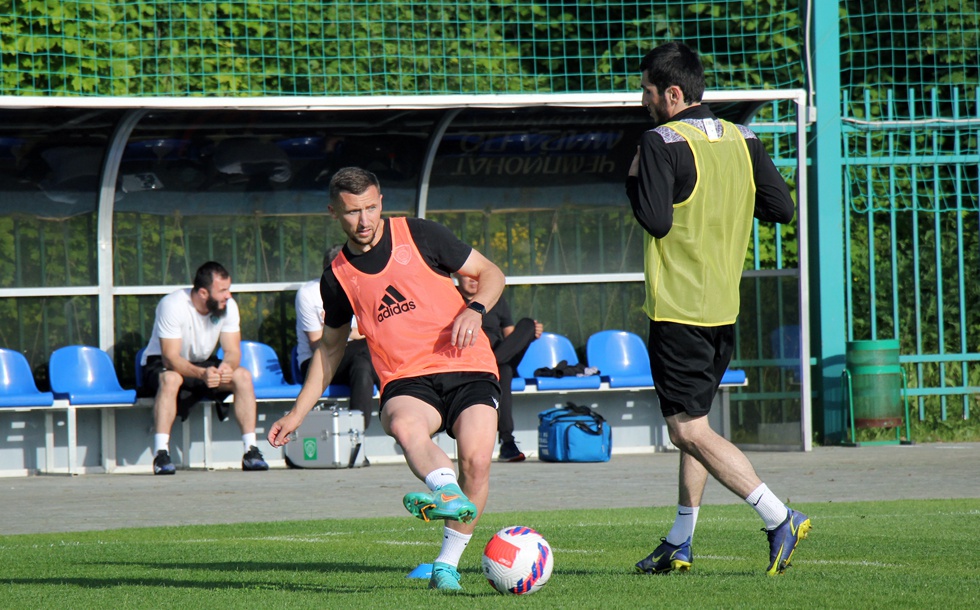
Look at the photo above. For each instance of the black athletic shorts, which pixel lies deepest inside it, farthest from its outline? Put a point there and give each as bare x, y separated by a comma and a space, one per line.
449, 393
687, 364
192, 391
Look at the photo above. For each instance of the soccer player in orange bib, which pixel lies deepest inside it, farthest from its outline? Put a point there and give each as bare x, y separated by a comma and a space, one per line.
436, 367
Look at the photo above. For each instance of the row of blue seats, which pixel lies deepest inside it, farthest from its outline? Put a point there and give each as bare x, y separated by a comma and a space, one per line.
81, 375
85, 375
621, 358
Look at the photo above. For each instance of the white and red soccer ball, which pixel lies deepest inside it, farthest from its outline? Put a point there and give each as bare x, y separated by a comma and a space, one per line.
517, 560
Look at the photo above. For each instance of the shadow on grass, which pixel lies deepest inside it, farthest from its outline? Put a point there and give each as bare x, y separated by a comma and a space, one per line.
253, 566
171, 583
322, 571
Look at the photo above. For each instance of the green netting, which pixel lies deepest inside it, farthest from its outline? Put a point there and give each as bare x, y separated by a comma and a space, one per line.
905, 59
393, 47
911, 118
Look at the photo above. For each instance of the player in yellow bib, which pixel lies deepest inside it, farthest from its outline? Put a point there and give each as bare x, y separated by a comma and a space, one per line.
695, 186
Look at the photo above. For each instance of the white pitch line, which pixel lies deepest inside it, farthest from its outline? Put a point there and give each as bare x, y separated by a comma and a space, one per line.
870, 564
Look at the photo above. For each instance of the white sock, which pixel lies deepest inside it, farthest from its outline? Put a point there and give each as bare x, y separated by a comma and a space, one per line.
453, 545
248, 440
161, 441
772, 511
440, 477
684, 522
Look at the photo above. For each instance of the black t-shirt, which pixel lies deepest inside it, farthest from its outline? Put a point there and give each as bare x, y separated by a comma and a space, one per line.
672, 176
442, 250
496, 320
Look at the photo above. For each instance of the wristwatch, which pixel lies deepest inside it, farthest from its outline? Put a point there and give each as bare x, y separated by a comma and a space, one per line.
477, 307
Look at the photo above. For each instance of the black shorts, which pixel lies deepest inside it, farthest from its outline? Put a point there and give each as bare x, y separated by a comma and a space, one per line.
687, 364
192, 391
449, 393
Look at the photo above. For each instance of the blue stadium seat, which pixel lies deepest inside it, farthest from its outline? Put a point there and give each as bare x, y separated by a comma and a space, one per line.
85, 375
267, 378
734, 377
621, 357
17, 387
547, 351
334, 390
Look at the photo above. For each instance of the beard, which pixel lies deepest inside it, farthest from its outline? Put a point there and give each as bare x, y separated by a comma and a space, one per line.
659, 112
363, 241
215, 308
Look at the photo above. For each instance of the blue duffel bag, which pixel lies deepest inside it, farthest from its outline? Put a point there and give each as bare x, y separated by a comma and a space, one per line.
573, 434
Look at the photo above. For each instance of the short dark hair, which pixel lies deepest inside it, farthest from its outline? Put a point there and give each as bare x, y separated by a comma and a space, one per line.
207, 272
331, 254
672, 64
351, 180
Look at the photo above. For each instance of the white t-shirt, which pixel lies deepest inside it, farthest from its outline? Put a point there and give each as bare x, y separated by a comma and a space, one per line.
176, 318
309, 317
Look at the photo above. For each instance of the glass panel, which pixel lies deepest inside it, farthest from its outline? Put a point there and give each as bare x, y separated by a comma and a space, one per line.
767, 411
38, 326
552, 242
248, 189
540, 191
579, 310
50, 163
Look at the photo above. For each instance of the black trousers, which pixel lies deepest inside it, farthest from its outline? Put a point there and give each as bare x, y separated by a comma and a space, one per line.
508, 354
356, 371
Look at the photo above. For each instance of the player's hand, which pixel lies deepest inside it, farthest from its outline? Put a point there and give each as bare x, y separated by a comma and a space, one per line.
281, 432
212, 377
538, 329
466, 327
225, 373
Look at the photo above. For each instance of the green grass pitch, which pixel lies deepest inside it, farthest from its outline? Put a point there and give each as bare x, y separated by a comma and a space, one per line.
897, 554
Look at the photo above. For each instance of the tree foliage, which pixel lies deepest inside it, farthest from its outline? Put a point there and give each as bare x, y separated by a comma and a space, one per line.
901, 60
351, 47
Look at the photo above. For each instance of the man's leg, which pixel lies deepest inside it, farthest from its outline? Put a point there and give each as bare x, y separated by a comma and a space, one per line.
245, 414
723, 460
508, 354
702, 452
165, 402
412, 422
164, 414
674, 551
474, 441
730, 467
691, 480
360, 375
505, 416
512, 348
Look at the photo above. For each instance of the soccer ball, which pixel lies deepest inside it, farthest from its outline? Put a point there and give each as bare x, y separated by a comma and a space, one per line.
517, 560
